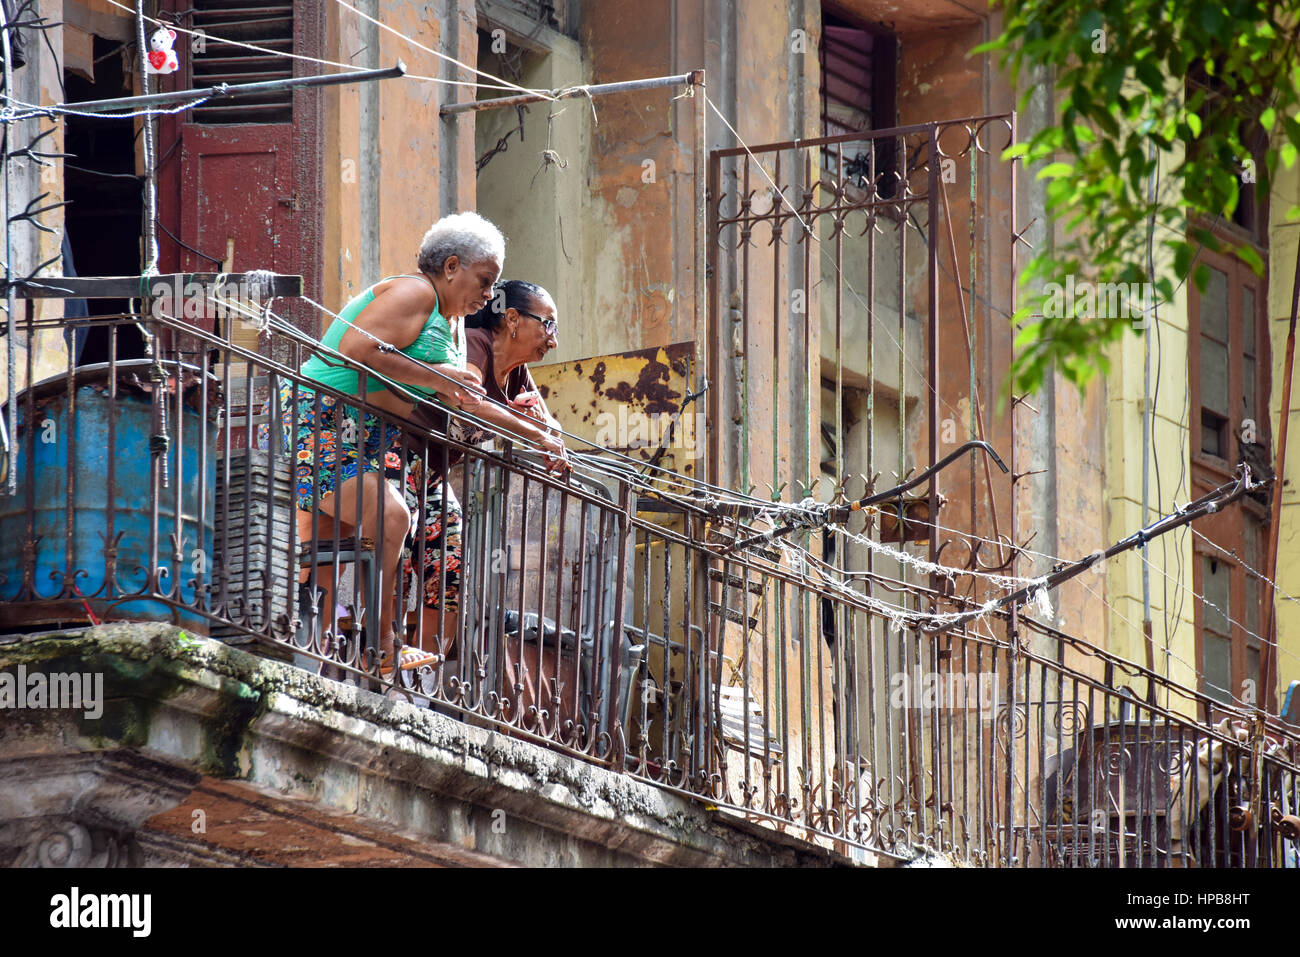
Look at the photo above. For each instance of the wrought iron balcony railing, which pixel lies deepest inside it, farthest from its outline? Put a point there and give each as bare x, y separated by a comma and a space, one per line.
760, 682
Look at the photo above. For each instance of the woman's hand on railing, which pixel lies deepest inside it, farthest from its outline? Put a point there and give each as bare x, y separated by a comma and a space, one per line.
465, 392
557, 456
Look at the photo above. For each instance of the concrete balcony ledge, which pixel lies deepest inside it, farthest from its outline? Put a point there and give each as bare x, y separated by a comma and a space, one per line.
204, 754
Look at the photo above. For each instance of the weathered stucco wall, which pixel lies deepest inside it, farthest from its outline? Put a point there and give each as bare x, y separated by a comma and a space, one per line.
392, 166
540, 200
1282, 258
38, 83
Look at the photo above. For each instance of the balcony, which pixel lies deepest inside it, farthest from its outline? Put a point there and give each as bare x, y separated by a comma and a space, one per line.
665, 700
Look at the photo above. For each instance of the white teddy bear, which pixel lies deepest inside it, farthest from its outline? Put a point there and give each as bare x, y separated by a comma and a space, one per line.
162, 58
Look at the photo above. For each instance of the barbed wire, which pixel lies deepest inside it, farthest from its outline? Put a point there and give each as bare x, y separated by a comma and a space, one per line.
8, 115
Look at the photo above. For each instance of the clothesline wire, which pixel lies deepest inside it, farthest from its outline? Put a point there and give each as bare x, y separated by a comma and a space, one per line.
905, 616
1178, 584
1169, 652
1257, 574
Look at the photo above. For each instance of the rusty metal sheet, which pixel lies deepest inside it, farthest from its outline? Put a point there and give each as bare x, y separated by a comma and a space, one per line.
630, 402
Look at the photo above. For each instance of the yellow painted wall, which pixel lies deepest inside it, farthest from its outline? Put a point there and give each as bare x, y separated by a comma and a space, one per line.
1282, 247
1172, 556
1173, 631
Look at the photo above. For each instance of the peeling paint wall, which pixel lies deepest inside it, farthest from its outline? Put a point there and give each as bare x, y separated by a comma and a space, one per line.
392, 166
37, 82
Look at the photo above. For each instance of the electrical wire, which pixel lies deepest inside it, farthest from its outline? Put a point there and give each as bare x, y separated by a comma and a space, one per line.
1257, 574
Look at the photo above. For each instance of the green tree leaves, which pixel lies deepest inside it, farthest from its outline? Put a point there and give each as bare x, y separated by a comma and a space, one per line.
1162, 109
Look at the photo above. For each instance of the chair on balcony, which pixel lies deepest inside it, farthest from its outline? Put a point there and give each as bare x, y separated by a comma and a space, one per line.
361, 554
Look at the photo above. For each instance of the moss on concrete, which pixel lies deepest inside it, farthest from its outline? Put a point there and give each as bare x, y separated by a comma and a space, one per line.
145, 665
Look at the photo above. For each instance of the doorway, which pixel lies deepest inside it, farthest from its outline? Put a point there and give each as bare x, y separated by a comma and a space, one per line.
105, 202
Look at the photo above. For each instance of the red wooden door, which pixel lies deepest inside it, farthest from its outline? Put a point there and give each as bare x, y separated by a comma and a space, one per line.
238, 197
239, 179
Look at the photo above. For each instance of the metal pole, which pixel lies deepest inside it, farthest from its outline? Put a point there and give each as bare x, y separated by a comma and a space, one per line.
227, 91
700, 205
11, 430
1148, 421
700, 217
1013, 625
150, 179
932, 350
600, 89
1275, 522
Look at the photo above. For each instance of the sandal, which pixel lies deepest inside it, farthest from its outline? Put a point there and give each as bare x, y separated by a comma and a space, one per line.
410, 658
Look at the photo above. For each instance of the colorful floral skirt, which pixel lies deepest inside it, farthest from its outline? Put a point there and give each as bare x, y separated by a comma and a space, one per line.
440, 563
331, 448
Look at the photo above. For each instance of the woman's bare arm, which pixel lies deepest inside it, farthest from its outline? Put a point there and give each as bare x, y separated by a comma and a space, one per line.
396, 317
508, 420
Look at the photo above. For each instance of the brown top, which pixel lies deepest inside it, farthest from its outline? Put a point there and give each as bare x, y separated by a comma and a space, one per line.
478, 353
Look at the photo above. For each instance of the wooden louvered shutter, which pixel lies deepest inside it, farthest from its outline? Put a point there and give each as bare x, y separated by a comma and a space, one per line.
218, 62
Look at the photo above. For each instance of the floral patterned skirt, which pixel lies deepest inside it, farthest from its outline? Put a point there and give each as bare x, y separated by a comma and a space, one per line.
441, 560
333, 447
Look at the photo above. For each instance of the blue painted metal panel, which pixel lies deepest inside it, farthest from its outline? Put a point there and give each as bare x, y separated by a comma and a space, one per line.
105, 574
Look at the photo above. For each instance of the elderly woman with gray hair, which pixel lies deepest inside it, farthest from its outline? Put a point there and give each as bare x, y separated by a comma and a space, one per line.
399, 319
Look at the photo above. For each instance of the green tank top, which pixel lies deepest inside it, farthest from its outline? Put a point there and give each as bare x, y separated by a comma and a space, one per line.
436, 344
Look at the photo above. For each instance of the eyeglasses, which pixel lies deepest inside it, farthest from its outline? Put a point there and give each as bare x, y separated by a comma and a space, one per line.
550, 325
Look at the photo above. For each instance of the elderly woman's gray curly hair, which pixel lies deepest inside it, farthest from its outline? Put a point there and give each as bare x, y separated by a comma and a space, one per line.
467, 236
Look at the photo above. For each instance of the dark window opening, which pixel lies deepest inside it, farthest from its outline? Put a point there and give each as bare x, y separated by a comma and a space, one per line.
496, 131
1212, 429
859, 93
105, 205
1248, 214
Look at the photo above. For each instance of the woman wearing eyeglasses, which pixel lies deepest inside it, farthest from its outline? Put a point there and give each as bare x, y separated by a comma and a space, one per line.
516, 327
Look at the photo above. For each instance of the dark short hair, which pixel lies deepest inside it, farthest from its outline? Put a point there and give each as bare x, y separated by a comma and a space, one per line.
517, 294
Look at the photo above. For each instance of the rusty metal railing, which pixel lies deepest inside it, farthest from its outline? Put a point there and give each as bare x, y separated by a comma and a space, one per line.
602, 615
